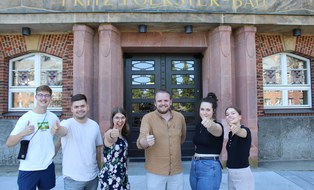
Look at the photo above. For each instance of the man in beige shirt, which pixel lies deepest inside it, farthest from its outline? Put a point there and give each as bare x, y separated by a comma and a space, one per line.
161, 135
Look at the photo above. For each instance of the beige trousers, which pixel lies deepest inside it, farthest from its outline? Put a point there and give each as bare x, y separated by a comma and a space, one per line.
241, 179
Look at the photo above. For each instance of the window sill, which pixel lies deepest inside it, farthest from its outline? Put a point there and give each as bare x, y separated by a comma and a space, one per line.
279, 111
20, 113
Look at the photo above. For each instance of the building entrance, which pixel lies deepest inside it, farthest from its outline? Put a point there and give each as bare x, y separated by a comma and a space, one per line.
144, 74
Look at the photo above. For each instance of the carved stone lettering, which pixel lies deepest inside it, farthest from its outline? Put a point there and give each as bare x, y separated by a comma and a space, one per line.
296, 7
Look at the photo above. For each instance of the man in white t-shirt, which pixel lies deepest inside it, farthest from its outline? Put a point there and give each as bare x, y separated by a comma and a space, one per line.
36, 168
81, 147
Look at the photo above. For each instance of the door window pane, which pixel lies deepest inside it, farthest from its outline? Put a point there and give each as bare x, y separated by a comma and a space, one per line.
183, 92
143, 79
143, 65
182, 65
136, 121
183, 107
190, 120
143, 107
143, 93
183, 79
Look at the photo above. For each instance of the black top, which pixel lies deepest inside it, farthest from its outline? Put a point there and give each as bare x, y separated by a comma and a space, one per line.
238, 150
205, 142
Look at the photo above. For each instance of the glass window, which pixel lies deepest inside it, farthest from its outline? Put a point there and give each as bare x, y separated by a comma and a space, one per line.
30, 71
286, 81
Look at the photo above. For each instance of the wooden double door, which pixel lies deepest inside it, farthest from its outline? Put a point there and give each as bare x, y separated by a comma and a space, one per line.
180, 74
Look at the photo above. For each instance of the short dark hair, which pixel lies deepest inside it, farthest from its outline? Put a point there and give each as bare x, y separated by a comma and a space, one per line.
78, 97
163, 91
43, 88
126, 128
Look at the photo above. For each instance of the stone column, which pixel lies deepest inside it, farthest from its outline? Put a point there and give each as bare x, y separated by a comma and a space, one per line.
246, 82
217, 72
83, 72
217, 68
110, 73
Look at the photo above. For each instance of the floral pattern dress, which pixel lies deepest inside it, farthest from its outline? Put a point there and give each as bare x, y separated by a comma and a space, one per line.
113, 175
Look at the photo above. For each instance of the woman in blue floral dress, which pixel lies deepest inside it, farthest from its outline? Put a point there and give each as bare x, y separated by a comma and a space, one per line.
113, 175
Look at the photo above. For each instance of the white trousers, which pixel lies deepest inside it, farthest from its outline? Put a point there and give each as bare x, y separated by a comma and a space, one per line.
241, 179
164, 182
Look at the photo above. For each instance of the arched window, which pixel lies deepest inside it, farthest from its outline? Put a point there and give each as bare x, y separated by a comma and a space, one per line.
287, 81
28, 72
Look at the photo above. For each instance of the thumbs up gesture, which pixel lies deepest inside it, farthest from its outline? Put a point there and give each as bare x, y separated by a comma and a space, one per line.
29, 129
150, 140
55, 129
114, 133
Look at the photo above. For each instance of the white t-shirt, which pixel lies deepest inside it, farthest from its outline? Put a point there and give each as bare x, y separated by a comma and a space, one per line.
79, 149
41, 148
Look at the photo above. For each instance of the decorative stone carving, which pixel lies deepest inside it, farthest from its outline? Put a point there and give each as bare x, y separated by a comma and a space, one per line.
289, 42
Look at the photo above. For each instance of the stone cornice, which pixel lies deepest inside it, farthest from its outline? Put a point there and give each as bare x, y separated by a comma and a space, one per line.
68, 18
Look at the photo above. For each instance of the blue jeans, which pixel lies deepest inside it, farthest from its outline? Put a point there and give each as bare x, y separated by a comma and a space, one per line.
70, 184
205, 174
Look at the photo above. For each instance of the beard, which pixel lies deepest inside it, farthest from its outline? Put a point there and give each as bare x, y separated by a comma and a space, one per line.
163, 111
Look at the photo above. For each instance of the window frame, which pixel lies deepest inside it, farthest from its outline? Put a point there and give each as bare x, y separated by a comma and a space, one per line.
30, 89
284, 87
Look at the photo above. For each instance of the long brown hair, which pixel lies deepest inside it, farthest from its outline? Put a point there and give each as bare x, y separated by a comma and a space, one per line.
126, 128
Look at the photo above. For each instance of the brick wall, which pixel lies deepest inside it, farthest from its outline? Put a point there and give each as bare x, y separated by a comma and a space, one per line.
60, 45
268, 44
3, 84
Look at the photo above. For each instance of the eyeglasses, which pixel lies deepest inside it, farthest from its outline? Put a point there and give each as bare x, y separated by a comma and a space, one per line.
118, 118
43, 95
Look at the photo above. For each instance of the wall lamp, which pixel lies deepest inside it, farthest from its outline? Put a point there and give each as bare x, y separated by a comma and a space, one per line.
142, 28
296, 32
188, 29
26, 31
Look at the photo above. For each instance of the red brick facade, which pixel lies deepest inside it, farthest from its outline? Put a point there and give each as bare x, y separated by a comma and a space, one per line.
60, 45
271, 44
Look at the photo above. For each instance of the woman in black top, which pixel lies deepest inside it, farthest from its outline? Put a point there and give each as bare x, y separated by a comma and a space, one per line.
238, 147
205, 170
